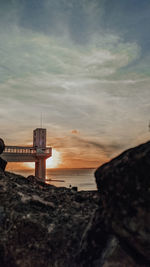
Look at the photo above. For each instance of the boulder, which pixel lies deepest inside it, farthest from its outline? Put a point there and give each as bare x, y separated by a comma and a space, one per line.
118, 232
124, 185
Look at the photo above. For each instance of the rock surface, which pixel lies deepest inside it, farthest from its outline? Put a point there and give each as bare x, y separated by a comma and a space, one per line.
3, 163
41, 225
119, 233
124, 184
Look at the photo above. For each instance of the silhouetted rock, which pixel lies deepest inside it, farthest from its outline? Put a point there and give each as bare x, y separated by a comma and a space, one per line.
2, 146
124, 184
3, 164
40, 224
119, 233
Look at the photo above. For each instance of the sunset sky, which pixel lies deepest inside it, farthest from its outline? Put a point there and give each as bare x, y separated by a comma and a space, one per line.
85, 64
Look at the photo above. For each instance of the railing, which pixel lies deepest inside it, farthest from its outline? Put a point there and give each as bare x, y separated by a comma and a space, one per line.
27, 150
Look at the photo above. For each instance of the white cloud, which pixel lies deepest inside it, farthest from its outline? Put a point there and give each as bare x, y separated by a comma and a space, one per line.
72, 85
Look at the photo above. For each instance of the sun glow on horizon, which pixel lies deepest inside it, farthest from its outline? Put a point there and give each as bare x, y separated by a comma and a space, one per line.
52, 162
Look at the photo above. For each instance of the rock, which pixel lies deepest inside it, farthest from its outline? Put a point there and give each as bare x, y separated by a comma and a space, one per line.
115, 255
74, 188
3, 164
2, 146
124, 185
93, 242
40, 224
2, 215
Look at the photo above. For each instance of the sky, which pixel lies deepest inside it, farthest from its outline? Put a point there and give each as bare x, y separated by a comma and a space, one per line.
83, 64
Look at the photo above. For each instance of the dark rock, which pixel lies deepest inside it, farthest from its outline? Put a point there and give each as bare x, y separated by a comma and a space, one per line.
40, 224
3, 164
74, 188
31, 178
114, 255
2, 146
124, 184
93, 242
2, 215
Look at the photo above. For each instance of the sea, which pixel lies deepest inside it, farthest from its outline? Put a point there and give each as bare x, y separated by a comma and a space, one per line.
83, 179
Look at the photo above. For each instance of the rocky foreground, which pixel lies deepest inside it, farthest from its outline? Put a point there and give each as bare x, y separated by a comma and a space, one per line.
42, 225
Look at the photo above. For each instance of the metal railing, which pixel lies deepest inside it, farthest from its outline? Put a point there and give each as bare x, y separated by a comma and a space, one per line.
27, 150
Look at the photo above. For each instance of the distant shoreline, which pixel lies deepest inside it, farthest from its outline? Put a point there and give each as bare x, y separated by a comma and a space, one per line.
49, 169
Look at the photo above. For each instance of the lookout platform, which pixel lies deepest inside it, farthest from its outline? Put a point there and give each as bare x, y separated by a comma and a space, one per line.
38, 153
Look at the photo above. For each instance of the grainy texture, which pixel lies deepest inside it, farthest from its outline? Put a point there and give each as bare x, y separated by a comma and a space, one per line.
124, 184
41, 225
3, 164
118, 235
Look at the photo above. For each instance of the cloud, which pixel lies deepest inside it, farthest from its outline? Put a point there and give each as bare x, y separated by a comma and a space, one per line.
80, 145
81, 70
75, 132
25, 53
84, 152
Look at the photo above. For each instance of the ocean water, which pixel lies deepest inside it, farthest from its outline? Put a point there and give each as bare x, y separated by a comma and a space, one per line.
82, 178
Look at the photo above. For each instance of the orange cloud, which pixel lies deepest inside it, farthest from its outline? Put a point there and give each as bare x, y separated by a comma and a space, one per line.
77, 151
75, 132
